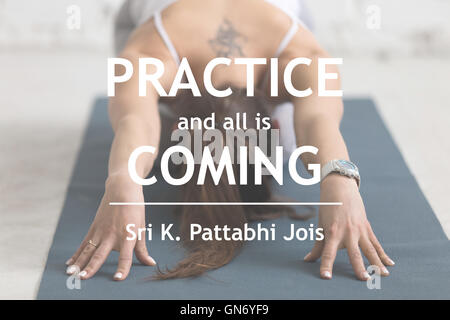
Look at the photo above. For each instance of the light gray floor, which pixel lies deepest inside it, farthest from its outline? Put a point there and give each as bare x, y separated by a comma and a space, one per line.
45, 104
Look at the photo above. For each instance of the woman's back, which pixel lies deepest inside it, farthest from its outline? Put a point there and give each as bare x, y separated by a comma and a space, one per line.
203, 30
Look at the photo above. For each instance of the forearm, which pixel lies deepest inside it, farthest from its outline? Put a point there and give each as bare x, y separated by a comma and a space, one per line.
132, 132
136, 122
317, 118
323, 132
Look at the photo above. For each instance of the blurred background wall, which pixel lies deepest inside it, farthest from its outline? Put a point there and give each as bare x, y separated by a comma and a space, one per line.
411, 28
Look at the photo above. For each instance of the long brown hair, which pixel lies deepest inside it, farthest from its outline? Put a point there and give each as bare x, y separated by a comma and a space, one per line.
206, 255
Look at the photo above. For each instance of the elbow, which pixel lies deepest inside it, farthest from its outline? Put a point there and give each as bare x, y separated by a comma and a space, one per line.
128, 121
309, 127
136, 123
328, 111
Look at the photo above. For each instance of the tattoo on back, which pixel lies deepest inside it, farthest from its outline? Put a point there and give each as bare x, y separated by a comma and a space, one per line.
228, 41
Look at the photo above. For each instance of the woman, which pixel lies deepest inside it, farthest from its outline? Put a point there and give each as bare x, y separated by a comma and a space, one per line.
201, 31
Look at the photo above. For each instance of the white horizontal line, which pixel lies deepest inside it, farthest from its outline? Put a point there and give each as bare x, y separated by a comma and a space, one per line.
225, 203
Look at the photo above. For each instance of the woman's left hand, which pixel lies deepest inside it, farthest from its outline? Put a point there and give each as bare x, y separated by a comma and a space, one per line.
347, 227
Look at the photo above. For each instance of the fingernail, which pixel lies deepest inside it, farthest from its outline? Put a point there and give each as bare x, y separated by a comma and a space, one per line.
307, 256
83, 273
326, 275
69, 261
384, 270
118, 275
71, 269
152, 261
391, 261
365, 275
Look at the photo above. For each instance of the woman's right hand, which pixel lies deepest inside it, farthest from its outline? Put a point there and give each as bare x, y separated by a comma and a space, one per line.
108, 231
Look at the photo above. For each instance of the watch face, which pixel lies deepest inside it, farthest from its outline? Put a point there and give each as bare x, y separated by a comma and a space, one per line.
347, 165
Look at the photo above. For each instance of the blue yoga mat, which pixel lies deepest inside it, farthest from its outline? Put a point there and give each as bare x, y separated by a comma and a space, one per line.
399, 213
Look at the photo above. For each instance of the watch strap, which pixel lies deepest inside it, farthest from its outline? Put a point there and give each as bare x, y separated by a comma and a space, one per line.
333, 167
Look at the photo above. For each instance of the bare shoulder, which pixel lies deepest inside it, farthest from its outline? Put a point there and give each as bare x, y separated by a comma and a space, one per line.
145, 42
144, 39
303, 44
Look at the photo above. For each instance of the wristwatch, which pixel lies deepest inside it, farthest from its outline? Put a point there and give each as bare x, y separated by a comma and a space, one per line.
342, 167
